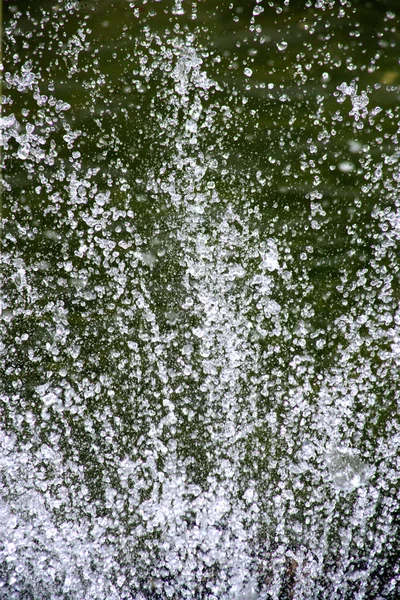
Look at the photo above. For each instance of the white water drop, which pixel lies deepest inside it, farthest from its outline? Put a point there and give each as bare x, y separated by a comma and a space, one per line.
282, 46
346, 167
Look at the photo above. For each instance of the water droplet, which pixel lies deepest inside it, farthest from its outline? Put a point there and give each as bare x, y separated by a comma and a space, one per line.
282, 46
346, 167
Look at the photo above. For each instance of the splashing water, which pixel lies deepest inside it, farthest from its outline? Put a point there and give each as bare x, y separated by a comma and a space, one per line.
200, 354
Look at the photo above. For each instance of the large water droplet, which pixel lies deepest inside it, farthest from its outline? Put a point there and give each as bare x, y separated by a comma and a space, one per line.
282, 46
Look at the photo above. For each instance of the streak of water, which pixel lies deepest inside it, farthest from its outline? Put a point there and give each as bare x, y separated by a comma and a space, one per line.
201, 370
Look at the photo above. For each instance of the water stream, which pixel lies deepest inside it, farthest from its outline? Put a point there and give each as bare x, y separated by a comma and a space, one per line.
200, 322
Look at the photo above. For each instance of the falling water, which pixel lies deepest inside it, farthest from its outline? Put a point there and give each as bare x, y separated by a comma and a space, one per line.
200, 301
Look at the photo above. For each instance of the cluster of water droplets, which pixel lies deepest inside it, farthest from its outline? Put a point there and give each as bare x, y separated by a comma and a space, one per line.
169, 428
